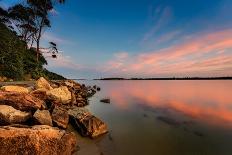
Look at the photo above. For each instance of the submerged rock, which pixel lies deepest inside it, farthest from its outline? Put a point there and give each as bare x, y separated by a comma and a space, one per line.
20, 101
15, 89
105, 100
169, 121
9, 115
42, 83
38, 140
43, 117
60, 117
86, 123
98, 88
61, 94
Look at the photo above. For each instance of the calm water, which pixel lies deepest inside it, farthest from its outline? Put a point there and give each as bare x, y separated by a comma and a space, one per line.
165, 117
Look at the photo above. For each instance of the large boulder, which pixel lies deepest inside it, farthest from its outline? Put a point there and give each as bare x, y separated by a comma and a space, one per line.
60, 117
40, 93
20, 101
42, 83
37, 140
9, 115
87, 124
43, 117
61, 94
15, 89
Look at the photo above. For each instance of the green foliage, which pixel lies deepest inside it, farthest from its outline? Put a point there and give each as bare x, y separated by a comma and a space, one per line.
11, 54
16, 61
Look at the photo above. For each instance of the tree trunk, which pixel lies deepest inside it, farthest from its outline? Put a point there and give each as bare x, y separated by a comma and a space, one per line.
38, 41
37, 50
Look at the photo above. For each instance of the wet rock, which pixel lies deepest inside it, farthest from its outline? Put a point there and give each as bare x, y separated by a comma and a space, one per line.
43, 117
38, 140
15, 89
87, 124
61, 94
60, 117
105, 100
9, 115
42, 83
20, 101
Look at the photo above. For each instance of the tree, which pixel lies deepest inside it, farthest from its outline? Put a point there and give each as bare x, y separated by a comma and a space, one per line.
3, 16
22, 18
41, 10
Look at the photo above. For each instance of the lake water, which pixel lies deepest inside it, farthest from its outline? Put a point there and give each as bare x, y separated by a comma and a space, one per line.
163, 117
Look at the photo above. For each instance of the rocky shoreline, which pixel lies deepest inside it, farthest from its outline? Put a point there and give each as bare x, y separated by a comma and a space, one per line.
34, 118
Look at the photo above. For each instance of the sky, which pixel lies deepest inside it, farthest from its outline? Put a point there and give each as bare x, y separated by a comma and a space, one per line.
140, 38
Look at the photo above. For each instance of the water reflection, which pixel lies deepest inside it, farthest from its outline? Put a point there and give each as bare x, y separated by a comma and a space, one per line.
165, 117
209, 101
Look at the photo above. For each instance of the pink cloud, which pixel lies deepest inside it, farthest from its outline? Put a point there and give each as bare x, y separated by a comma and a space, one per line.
203, 54
121, 55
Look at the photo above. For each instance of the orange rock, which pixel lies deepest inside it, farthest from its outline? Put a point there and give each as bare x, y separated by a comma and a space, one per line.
38, 140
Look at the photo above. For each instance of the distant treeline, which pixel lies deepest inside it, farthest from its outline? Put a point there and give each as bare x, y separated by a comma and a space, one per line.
171, 78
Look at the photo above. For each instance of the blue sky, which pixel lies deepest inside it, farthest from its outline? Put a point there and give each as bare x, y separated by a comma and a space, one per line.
142, 38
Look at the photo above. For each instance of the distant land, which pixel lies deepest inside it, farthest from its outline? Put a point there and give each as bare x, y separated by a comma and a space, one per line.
170, 78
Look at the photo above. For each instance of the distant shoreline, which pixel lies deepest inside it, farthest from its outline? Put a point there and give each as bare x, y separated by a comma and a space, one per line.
174, 78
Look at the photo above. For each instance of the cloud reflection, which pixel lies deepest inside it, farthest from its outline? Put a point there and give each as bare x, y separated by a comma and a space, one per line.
209, 101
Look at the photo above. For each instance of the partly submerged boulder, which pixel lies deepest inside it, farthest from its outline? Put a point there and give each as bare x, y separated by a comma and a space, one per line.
20, 101
60, 117
43, 117
42, 83
38, 140
86, 123
61, 94
15, 89
105, 100
9, 115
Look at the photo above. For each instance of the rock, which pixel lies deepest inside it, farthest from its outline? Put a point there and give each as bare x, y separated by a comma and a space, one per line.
105, 100
20, 101
61, 94
40, 93
42, 83
86, 123
9, 115
3, 79
37, 140
73, 98
69, 83
60, 117
43, 117
98, 88
15, 89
